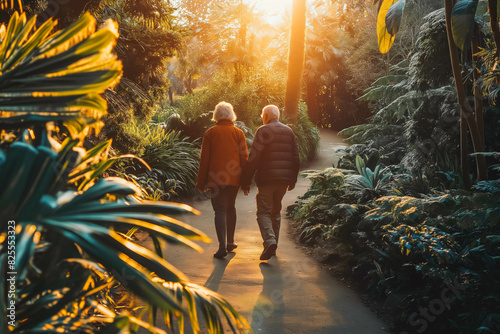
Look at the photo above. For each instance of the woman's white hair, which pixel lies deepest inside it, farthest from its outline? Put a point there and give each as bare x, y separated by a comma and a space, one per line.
224, 110
271, 111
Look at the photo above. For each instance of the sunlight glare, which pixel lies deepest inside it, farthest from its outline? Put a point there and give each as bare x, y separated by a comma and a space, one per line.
272, 10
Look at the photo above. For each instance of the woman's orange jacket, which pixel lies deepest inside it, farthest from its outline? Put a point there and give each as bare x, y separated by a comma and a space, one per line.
223, 155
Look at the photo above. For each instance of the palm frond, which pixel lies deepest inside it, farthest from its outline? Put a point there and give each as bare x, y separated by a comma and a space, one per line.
58, 76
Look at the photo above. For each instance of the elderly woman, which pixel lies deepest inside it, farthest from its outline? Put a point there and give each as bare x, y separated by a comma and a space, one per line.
223, 156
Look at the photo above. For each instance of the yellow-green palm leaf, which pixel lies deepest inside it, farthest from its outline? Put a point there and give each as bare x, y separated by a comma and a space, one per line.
48, 76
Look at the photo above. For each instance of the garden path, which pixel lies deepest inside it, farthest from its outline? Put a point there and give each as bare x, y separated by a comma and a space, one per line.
289, 293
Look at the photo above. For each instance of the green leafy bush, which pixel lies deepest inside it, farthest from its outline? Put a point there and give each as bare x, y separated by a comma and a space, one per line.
403, 251
412, 185
306, 135
173, 160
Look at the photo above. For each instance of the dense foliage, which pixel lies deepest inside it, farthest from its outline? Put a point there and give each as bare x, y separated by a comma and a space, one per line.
395, 217
432, 260
60, 215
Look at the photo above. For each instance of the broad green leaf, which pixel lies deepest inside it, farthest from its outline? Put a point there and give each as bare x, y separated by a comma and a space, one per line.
39, 181
2, 160
462, 22
368, 173
385, 39
360, 164
394, 17
108, 185
376, 172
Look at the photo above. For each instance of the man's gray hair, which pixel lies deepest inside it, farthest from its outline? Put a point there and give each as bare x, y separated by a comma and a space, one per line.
224, 110
271, 111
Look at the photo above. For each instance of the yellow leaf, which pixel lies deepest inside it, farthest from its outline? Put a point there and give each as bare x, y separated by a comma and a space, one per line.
385, 39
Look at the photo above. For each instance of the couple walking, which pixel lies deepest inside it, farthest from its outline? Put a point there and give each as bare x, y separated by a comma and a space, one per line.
225, 166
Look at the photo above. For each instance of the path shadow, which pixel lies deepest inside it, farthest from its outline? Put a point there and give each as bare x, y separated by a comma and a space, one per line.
213, 281
268, 312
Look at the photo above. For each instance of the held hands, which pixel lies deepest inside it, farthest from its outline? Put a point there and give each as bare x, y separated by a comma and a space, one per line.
202, 190
246, 190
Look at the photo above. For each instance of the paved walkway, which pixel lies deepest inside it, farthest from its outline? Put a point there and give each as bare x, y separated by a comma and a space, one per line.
288, 294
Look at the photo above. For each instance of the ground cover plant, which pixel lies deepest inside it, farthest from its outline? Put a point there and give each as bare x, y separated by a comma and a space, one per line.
408, 252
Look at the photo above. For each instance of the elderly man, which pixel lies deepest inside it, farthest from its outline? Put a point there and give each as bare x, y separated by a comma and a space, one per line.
275, 161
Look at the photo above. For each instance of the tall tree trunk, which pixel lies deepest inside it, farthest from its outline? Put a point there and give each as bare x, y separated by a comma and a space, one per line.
189, 85
478, 96
466, 112
171, 96
295, 60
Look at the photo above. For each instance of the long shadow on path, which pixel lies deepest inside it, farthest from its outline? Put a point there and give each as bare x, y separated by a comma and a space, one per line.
269, 311
215, 277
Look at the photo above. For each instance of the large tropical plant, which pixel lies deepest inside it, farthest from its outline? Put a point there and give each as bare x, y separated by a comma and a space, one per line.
59, 218
463, 34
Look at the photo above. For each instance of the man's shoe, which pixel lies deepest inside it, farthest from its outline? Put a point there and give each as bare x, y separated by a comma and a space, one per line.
220, 254
268, 252
231, 247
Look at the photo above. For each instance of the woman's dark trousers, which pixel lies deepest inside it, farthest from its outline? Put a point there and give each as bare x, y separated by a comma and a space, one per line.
223, 203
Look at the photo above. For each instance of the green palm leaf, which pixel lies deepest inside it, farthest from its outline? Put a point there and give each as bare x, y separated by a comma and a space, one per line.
209, 303
130, 264
59, 76
113, 219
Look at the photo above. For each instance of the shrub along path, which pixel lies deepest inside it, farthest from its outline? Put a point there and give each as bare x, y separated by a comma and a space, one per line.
289, 293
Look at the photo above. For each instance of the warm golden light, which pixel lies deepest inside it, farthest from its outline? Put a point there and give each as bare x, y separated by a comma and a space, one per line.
272, 10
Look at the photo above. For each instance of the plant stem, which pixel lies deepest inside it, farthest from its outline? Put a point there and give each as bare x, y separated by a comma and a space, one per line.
466, 112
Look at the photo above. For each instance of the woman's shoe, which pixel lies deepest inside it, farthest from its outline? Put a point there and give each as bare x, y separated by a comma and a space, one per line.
220, 254
231, 247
